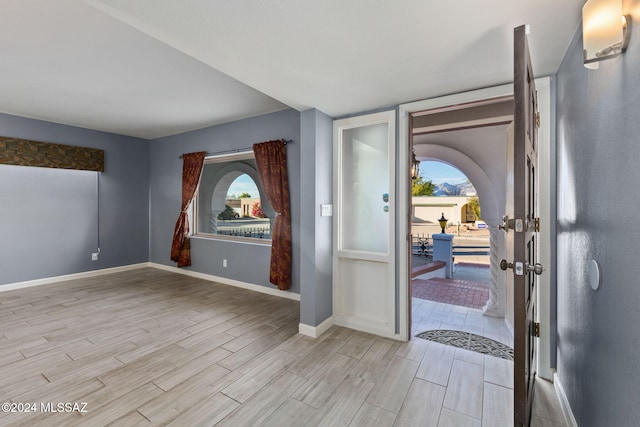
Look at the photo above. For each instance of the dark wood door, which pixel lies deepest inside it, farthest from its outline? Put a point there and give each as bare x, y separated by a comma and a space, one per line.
521, 247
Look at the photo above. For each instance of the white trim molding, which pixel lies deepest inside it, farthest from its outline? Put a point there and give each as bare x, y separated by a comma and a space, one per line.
545, 238
564, 402
83, 275
315, 331
230, 282
208, 277
404, 111
544, 294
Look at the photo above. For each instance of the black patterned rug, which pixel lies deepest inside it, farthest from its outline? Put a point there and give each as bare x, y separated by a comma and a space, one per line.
469, 341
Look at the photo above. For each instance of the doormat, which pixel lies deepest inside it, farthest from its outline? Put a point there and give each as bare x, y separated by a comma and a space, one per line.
469, 341
464, 293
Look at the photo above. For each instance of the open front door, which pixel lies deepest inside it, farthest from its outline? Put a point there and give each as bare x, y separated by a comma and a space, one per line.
521, 225
364, 223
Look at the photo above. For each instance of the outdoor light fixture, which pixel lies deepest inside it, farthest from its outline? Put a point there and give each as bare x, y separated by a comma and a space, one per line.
605, 31
415, 166
443, 222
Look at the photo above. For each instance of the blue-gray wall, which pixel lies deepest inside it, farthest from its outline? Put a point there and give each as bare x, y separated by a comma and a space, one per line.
246, 262
598, 137
316, 301
48, 217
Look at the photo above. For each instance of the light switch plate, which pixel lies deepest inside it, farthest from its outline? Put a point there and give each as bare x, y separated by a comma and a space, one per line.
326, 210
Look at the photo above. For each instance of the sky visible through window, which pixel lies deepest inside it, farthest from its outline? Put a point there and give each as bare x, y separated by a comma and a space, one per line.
243, 184
440, 173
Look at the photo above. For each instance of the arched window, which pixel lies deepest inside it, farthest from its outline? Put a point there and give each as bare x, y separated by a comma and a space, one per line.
231, 202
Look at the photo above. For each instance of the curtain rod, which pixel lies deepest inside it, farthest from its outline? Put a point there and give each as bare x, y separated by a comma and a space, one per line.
236, 150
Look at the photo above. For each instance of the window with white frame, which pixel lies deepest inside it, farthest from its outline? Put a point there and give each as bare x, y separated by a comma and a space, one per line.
231, 203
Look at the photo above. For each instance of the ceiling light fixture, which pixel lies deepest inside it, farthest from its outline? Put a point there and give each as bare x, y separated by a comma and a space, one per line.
605, 31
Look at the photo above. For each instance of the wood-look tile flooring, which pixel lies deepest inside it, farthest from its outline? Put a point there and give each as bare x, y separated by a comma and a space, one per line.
149, 347
496, 389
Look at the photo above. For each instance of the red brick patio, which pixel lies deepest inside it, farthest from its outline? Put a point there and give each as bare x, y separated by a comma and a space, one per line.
465, 293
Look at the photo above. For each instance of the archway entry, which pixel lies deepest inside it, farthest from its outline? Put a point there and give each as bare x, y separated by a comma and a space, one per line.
441, 189
546, 247
473, 138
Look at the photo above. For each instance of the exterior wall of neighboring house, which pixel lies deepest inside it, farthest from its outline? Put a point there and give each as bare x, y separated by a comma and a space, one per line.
598, 137
246, 205
236, 205
430, 208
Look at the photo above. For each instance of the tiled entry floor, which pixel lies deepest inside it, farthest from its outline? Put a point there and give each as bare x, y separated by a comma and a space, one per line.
427, 315
479, 388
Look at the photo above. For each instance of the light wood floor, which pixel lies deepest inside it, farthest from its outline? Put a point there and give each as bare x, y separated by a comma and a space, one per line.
148, 347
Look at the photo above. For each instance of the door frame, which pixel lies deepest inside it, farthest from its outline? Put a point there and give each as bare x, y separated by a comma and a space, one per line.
546, 248
385, 324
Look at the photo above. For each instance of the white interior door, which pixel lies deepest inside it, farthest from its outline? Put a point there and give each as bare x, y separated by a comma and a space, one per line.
364, 223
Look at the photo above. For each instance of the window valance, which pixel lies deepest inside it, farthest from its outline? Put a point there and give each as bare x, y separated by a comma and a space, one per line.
23, 152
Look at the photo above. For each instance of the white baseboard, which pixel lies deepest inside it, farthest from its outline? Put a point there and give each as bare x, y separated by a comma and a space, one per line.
315, 331
564, 403
368, 326
226, 281
83, 275
93, 273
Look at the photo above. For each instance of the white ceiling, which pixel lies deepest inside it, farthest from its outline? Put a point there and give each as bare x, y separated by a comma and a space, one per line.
151, 68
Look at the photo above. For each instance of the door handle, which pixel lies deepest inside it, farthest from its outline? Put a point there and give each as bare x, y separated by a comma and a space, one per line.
536, 268
504, 265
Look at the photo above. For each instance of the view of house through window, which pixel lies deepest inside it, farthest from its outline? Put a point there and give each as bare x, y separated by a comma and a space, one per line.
231, 202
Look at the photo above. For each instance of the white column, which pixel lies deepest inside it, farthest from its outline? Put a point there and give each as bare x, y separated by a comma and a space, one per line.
213, 222
495, 304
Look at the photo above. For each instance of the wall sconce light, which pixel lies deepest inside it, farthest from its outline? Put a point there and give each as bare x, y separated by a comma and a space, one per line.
605, 31
443, 222
415, 166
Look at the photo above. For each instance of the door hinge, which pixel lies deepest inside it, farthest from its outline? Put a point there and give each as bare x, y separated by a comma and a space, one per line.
538, 120
536, 329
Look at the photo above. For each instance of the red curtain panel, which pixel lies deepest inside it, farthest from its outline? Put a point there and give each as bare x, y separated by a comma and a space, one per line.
191, 170
271, 162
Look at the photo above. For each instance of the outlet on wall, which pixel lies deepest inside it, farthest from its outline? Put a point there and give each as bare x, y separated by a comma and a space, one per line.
94, 256
224, 263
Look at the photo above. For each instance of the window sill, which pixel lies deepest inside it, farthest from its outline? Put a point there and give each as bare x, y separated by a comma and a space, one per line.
238, 239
